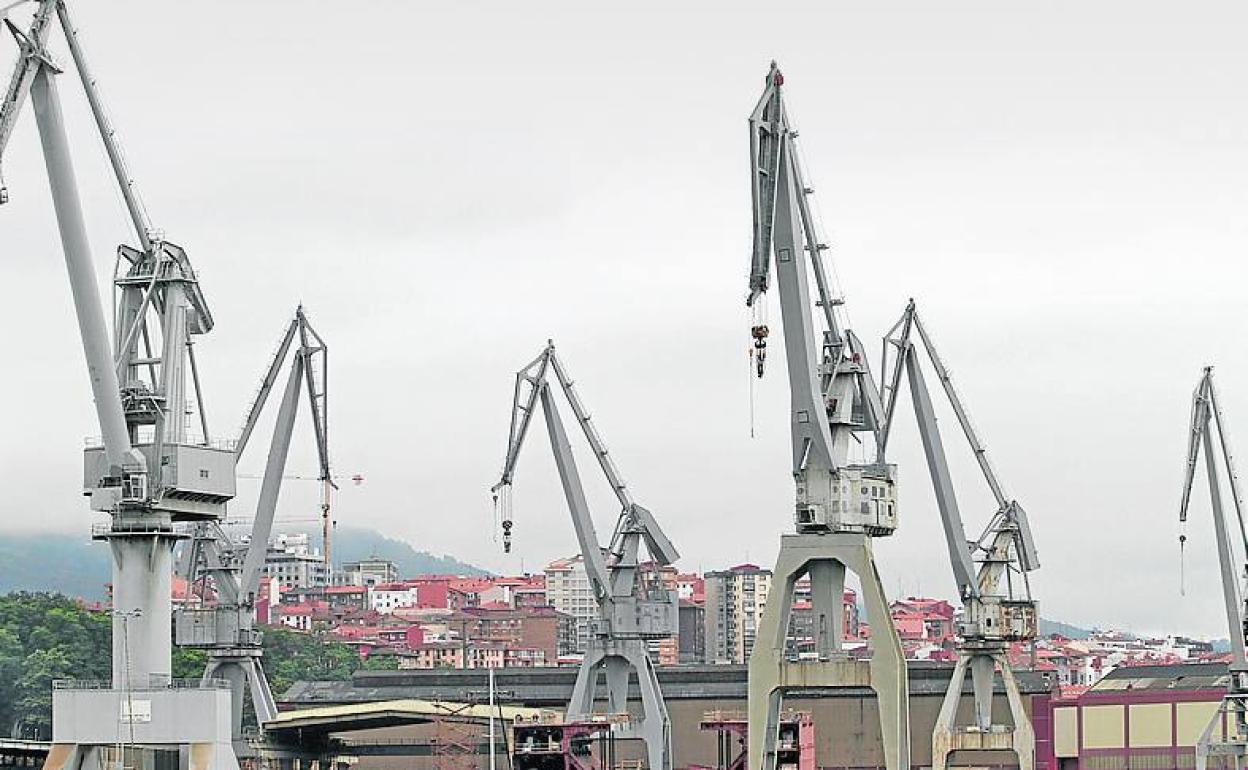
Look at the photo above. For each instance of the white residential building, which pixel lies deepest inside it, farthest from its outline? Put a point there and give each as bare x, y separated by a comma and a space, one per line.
567, 590
388, 597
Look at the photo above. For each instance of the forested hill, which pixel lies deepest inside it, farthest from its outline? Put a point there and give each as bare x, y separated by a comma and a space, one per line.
75, 566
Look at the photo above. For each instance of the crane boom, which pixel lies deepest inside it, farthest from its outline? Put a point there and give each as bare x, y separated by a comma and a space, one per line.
582, 520
1225, 733
529, 383
30, 57
1206, 415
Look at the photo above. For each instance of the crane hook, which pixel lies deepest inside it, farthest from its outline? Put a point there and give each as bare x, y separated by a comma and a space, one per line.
1182, 569
759, 332
506, 521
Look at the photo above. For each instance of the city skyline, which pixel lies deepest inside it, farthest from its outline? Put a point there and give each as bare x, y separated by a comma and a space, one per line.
1073, 240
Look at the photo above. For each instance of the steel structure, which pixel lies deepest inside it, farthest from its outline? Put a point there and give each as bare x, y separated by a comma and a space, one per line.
633, 605
1232, 714
840, 505
991, 572
148, 472
215, 564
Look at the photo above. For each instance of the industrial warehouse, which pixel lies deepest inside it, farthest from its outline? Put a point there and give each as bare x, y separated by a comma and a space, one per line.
627, 653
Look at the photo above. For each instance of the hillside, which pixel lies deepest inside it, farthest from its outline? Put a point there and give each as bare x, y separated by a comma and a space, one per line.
355, 543
68, 564
75, 566
1050, 627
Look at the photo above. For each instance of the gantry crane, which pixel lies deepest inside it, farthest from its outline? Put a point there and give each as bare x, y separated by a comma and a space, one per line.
991, 572
841, 505
634, 606
148, 472
1229, 535
226, 626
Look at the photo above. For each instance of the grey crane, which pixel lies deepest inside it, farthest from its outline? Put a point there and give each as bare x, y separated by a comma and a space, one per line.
148, 473
225, 627
634, 606
840, 505
991, 572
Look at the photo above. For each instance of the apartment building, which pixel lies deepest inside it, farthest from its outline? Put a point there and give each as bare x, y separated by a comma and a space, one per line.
735, 599
567, 590
295, 563
367, 572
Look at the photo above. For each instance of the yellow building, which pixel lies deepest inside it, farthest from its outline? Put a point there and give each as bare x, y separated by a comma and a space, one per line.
1135, 718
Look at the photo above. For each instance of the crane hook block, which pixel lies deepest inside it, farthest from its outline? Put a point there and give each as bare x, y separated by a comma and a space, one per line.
759, 333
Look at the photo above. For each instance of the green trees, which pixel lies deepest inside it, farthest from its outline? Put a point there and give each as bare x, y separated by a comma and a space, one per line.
47, 636
44, 637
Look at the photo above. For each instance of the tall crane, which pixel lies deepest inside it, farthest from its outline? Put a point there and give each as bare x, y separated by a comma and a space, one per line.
148, 472
841, 505
634, 607
991, 572
226, 627
1229, 534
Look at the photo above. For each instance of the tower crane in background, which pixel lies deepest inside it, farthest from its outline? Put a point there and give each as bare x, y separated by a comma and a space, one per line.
226, 627
148, 473
634, 606
840, 505
1228, 534
315, 356
991, 572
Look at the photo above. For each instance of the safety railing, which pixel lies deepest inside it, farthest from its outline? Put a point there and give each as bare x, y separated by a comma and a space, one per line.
155, 684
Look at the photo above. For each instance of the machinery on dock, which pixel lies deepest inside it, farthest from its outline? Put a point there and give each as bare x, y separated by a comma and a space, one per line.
634, 605
795, 740
991, 572
148, 473
229, 572
1227, 732
841, 505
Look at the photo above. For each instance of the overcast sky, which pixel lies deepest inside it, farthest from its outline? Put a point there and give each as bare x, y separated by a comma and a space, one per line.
1061, 185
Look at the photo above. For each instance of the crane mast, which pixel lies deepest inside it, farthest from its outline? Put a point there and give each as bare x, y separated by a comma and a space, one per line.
1228, 535
226, 627
634, 606
148, 473
990, 573
834, 403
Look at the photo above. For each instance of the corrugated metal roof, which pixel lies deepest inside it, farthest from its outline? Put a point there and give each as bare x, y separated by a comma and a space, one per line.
1179, 676
360, 716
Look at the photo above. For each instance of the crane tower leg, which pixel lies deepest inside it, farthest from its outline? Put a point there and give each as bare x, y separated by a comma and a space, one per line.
581, 705
983, 670
825, 557
617, 670
1024, 736
655, 727
947, 738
